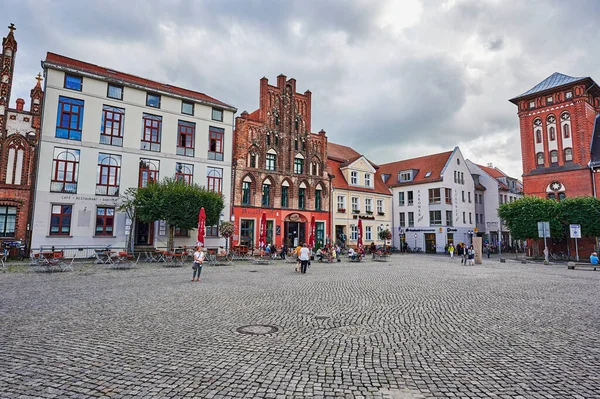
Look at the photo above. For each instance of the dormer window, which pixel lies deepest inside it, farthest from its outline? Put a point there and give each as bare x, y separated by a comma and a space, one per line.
368, 182
405, 176
354, 178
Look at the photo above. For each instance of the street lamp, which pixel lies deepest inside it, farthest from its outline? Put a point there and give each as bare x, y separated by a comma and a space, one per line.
470, 233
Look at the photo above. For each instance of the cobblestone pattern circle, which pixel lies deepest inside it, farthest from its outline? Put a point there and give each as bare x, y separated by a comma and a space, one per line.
257, 329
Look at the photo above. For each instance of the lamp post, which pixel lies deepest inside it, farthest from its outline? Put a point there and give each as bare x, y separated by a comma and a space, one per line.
470, 233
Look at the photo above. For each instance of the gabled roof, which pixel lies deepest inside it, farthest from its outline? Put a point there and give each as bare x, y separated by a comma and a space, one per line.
340, 156
59, 61
495, 173
434, 163
551, 82
341, 153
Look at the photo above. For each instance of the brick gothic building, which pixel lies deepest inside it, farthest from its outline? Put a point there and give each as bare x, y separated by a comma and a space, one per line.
19, 133
279, 168
556, 120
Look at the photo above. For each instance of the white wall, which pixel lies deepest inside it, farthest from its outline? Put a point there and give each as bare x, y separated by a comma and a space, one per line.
85, 201
421, 207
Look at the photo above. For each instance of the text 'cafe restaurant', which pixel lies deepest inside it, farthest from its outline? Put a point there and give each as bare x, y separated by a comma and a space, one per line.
288, 228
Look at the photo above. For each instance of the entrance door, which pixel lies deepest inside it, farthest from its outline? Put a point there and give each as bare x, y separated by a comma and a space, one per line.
430, 243
450, 238
247, 233
295, 233
340, 234
144, 233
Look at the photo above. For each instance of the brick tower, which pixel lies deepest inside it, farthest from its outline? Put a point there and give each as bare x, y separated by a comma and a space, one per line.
19, 135
279, 169
556, 120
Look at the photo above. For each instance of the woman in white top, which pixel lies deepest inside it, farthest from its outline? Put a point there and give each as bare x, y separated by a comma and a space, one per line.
198, 260
304, 257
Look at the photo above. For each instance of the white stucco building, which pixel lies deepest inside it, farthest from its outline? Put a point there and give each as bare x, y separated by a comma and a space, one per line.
497, 189
433, 200
104, 131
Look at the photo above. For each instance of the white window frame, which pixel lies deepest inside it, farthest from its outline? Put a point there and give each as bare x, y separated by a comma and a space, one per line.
368, 180
355, 204
368, 204
368, 233
379, 206
354, 178
353, 232
341, 204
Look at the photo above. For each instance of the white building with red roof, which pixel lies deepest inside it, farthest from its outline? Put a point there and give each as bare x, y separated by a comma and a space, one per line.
492, 189
432, 200
104, 131
359, 193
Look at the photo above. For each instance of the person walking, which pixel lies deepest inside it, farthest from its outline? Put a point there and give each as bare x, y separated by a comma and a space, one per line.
198, 260
451, 250
304, 258
297, 251
471, 256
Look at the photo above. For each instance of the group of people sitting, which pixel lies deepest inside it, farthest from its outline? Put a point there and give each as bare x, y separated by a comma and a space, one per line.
328, 253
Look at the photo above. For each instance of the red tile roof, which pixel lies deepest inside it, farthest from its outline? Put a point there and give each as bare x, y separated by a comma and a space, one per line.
57, 60
496, 174
429, 163
339, 156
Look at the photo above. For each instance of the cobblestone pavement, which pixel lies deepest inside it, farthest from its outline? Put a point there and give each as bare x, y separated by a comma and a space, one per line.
418, 326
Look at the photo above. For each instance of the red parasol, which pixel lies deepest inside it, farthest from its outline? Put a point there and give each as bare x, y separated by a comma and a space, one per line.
262, 241
311, 237
201, 226
359, 242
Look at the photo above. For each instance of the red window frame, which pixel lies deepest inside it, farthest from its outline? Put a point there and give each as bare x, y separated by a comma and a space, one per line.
212, 231
184, 172
63, 104
185, 133
148, 172
104, 220
215, 140
215, 180
110, 118
61, 219
180, 232
108, 175
152, 129
65, 166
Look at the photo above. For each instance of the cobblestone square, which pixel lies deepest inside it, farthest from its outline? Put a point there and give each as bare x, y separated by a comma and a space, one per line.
417, 326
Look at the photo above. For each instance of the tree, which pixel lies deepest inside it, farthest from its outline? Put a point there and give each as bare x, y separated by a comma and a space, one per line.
521, 216
127, 205
178, 204
584, 211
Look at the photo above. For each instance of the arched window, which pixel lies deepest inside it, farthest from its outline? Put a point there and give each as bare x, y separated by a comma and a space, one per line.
318, 198
538, 136
246, 191
285, 194
566, 132
561, 196
552, 196
148, 172
270, 159
302, 196
552, 132
266, 193
109, 173
268, 138
568, 154
554, 156
299, 164
540, 158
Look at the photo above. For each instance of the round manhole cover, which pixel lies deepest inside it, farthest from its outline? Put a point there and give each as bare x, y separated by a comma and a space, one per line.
257, 329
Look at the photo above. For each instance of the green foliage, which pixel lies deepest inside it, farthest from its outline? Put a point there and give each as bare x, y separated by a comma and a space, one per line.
584, 211
178, 203
522, 216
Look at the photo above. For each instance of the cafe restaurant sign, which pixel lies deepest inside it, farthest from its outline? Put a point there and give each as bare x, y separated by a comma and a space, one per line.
78, 198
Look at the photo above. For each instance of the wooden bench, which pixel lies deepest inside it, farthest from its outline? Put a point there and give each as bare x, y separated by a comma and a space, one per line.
588, 266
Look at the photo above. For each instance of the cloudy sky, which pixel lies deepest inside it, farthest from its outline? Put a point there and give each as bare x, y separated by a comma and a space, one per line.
392, 79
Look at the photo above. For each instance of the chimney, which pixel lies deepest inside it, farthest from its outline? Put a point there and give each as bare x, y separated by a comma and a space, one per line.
490, 165
20, 104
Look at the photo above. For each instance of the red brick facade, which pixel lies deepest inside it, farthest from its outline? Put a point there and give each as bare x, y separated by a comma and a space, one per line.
556, 121
19, 135
267, 143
